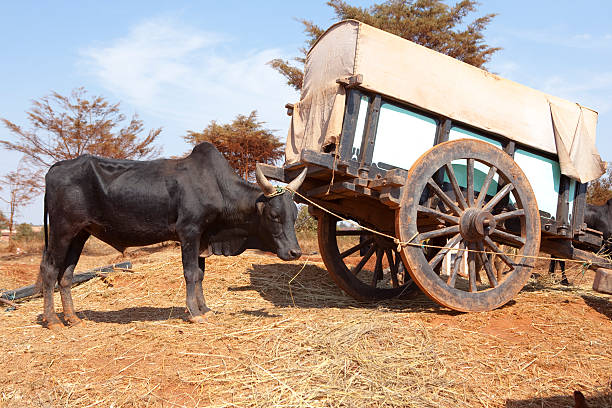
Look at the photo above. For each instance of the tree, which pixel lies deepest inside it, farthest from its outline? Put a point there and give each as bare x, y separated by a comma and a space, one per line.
22, 186
244, 143
431, 23
64, 127
599, 191
3, 221
304, 221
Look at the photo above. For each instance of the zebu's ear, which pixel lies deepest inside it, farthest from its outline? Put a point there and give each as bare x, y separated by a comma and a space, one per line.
265, 185
297, 182
260, 207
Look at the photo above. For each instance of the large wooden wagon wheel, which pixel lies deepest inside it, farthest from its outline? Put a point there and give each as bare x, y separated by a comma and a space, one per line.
474, 196
364, 265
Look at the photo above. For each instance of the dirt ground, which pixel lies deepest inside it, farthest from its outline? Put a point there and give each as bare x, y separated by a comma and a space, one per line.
284, 335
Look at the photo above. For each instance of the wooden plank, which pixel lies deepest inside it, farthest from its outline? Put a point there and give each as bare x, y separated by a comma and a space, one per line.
443, 131
393, 178
563, 206
579, 207
350, 81
390, 196
337, 190
351, 111
33, 290
563, 248
369, 137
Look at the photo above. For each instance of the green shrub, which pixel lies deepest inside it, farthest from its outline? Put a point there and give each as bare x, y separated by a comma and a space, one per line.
305, 221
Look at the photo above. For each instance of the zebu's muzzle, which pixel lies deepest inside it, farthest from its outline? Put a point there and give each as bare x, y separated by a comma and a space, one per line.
290, 254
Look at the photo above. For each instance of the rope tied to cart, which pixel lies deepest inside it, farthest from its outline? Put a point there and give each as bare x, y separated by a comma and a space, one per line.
400, 244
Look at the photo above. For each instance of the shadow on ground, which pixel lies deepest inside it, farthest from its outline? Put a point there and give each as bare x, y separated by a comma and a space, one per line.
310, 286
129, 315
601, 305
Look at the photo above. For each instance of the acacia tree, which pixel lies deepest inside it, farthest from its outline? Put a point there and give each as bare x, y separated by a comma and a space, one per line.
21, 187
599, 191
244, 142
64, 127
431, 23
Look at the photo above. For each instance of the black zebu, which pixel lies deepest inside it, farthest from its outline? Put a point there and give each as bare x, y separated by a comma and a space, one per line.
198, 201
599, 217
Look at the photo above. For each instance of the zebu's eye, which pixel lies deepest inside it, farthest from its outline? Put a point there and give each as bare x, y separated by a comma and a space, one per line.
274, 216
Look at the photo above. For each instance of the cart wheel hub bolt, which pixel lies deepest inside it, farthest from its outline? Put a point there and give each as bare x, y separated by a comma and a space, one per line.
475, 224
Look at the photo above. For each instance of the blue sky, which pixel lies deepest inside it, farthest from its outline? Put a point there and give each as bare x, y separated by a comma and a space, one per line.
181, 64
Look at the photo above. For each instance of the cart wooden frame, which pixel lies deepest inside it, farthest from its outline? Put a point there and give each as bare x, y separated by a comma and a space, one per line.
455, 190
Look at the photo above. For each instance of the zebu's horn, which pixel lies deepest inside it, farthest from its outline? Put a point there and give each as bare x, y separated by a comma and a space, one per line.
265, 185
297, 182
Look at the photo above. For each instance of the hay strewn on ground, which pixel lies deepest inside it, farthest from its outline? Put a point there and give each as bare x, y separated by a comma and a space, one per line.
284, 335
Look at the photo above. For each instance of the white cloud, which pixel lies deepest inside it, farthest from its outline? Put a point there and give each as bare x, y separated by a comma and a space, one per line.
560, 37
190, 76
506, 69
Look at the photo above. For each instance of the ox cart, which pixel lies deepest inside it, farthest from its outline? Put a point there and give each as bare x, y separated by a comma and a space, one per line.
464, 176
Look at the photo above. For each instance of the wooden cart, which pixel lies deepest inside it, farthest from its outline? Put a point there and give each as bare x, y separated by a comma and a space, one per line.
472, 205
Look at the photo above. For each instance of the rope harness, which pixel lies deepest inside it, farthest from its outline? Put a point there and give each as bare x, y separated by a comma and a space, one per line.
400, 244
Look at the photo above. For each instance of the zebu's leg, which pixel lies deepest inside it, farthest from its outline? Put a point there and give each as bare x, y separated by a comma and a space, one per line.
65, 276
199, 290
53, 260
190, 249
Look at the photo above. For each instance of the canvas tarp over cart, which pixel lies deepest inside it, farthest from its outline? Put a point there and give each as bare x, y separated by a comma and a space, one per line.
482, 171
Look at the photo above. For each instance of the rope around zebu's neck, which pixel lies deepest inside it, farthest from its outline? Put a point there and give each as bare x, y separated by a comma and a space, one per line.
400, 244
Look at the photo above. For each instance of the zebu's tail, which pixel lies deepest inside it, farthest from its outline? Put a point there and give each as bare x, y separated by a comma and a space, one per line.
46, 232
45, 221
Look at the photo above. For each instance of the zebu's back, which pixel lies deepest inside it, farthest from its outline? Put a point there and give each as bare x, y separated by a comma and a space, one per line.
124, 203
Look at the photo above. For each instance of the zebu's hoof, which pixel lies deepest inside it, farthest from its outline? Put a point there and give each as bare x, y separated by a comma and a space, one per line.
73, 320
205, 317
53, 323
197, 319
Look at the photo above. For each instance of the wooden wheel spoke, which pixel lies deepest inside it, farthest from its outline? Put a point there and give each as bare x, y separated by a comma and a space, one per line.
472, 269
486, 262
485, 186
498, 197
470, 182
357, 247
443, 196
499, 252
439, 214
511, 238
392, 267
452, 279
436, 259
456, 189
442, 232
377, 275
364, 260
510, 214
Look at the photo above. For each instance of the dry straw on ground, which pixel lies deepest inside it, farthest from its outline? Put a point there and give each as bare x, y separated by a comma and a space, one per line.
284, 335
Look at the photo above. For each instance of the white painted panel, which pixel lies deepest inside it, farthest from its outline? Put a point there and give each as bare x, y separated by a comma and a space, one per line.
359, 128
402, 136
480, 169
544, 176
572, 193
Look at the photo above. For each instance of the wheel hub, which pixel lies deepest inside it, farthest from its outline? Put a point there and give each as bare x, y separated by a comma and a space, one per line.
475, 224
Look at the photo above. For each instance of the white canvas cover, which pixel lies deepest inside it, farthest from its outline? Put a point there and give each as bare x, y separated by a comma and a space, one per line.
403, 70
